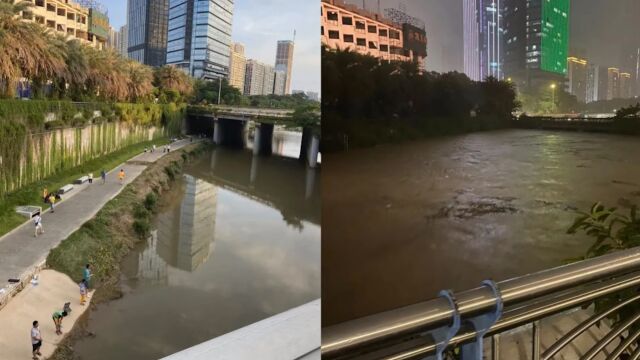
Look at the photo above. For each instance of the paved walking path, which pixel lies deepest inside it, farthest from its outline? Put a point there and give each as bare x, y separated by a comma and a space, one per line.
22, 254
38, 302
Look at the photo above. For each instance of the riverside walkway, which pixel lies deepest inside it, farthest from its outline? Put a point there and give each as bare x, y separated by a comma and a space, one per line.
22, 254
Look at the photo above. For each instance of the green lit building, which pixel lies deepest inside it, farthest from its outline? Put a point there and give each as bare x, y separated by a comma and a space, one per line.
536, 42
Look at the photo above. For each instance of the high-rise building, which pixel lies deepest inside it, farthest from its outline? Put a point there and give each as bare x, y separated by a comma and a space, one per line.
284, 62
84, 20
536, 42
237, 67
597, 83
269, 79
199, 40
113, 41
625, 85
483, 40
147, 21
577, 74
259, 78
613, 83
123, 42
279, 82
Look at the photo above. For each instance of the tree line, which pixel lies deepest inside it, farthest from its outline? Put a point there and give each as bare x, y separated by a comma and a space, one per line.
367, 101
53, 66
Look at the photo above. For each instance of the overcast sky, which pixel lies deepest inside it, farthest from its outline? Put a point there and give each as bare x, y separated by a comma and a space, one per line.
602, 29
259, 24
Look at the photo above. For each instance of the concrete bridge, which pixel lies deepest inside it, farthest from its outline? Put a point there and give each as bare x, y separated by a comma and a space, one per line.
227, 126
579, 123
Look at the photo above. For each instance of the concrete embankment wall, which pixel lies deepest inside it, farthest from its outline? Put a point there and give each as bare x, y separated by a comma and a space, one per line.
29, 157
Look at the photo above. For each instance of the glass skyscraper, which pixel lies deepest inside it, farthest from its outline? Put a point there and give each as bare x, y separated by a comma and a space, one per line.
536, 41
483, 38
199, 36
147, 22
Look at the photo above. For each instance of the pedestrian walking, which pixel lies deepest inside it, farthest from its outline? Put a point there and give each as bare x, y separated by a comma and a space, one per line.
36, 340
57, 320
103, 175
83, 291
121, 176
45, 194
37, 221
52, 202
90, 178
168, 148
153, 148
86, 275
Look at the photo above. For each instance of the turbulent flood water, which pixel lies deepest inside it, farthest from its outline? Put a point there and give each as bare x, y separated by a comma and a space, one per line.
236, 241
401, 222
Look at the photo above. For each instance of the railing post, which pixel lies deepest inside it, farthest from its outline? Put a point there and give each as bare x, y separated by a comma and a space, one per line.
535, 341
495, 347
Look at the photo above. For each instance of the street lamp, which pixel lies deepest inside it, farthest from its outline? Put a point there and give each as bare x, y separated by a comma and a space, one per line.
553, 95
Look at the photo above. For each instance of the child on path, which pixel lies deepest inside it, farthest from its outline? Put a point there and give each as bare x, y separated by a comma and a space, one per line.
121, 176
90, 178
37, 221
52, 201
83, 291
36, 340
57, 320
86, 275
103, 175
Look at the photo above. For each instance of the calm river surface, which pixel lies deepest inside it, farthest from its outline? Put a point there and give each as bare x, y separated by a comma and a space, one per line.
401, 222
236, 241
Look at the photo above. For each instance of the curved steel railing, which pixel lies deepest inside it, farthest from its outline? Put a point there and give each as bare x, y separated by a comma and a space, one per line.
526, 299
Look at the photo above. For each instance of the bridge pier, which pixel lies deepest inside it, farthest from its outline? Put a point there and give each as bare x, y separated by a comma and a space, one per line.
263, 139
217, 132
309, 147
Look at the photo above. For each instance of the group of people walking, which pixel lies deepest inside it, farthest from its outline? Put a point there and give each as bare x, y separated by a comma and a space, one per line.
58, 316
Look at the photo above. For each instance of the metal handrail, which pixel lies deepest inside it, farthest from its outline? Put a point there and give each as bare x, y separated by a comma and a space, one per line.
528, 314
424, 316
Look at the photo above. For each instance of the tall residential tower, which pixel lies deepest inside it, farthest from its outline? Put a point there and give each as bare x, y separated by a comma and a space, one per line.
199, 40
284, 63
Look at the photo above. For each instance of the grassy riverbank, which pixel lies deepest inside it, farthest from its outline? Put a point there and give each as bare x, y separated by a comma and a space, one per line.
32, 193
107, 238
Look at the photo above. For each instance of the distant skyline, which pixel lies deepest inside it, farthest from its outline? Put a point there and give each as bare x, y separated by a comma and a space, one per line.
603, 30
259, 24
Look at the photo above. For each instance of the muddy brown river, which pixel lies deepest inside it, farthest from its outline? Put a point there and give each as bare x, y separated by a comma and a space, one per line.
401, 222
235, 241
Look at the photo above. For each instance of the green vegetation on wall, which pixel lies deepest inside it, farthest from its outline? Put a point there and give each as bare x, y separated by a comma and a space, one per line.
31, 149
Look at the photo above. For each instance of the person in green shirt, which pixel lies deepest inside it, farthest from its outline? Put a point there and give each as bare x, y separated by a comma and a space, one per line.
57, 320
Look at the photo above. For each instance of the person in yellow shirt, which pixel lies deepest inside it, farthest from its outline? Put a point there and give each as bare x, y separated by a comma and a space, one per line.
121, 176
52, 201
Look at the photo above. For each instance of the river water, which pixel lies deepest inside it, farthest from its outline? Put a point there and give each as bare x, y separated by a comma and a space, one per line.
235, 241
401, 222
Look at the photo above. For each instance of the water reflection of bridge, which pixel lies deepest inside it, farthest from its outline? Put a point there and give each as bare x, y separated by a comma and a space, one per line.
269, 180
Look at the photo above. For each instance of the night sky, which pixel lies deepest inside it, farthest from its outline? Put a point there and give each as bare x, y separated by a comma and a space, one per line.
601, 30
